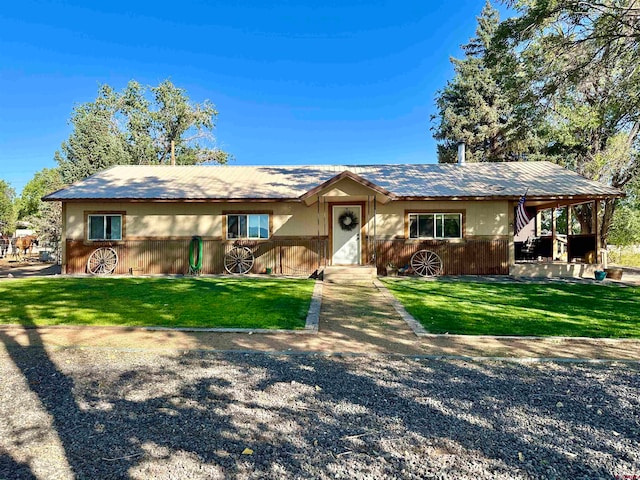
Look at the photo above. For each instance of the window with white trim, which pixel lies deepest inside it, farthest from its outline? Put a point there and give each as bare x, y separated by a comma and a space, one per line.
105, 227
251, 225
435, 225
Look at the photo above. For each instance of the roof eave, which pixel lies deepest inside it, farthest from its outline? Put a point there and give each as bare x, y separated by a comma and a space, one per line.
173, 200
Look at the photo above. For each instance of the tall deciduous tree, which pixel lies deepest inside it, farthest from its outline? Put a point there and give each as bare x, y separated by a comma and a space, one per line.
137, 126
625, 228
581, 63
474, 108
46, 217
43, 182
7, 208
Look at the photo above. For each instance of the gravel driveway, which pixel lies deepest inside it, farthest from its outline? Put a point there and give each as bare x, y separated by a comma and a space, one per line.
102, 413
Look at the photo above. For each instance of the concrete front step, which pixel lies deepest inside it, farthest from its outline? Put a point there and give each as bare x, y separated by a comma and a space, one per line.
349, 274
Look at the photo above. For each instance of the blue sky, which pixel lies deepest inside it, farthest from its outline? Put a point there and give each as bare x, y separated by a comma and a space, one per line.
295, 82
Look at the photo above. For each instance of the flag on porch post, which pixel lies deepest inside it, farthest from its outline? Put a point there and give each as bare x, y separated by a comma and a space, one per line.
522, 218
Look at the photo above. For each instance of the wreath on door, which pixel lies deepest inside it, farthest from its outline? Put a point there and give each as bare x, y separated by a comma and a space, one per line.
348, 221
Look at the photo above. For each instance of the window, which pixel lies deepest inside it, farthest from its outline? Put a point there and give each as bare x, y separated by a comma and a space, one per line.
105, 227
435, 225
248, 225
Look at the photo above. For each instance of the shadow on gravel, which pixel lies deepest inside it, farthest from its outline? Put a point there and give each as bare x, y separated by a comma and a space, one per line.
310, 416
17, 470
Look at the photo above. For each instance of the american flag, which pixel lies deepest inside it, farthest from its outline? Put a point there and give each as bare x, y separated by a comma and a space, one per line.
521, 214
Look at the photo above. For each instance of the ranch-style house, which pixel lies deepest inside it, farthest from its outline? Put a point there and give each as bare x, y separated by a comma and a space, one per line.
299, 220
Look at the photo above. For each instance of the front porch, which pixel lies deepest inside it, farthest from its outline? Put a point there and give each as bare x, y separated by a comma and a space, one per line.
561, 240
553, 270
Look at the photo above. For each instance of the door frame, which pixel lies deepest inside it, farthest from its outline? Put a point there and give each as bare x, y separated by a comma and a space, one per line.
363, 216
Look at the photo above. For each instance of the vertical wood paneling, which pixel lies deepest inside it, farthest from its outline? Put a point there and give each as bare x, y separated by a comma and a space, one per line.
299, 257
472, 257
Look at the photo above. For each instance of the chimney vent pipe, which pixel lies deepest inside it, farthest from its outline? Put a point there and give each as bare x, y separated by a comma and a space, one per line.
461, 153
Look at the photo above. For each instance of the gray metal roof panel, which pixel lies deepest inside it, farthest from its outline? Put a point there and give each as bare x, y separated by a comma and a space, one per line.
542, 179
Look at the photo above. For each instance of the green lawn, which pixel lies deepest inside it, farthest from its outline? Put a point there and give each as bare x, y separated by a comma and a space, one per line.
544, 309
169, 302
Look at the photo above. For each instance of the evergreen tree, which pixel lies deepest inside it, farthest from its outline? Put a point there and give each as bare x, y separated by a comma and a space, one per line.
473, 107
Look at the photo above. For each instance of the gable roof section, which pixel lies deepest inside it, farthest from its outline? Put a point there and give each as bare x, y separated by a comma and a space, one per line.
543, 180
341, 176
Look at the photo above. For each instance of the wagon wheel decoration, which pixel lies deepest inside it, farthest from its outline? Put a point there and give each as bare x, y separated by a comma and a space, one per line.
102, 261
238, 260
426, 263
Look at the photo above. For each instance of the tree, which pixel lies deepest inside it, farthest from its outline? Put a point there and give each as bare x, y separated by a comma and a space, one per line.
579, 36
583, 85
625, 228
7, 208
137, 127
474, 107
43, 182
46, 217
95, 143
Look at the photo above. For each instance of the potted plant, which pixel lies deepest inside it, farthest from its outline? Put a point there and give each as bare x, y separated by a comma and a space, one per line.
614, 273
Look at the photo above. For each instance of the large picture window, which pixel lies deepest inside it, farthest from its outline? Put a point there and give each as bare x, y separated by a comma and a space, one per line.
105, 227
255, 226
435, 225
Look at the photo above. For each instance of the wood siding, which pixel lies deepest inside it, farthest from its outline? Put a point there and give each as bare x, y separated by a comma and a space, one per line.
300, 257
469, 257
297, 257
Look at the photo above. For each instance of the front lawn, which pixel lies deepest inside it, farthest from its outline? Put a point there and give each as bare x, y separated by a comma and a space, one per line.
169, 302
540, 309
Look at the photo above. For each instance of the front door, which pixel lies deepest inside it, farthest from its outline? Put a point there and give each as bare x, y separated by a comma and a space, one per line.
346, 234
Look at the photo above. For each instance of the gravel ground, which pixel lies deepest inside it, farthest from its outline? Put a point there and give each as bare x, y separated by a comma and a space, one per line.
101, 413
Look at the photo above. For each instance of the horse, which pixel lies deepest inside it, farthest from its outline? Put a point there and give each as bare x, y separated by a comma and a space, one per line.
23, 244
4, 245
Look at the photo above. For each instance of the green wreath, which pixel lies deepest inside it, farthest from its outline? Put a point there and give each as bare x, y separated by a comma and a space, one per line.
348, 221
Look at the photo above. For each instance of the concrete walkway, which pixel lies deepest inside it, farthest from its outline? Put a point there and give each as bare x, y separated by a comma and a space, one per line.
354, 319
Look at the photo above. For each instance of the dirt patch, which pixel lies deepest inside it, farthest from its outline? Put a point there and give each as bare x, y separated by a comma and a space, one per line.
27, 268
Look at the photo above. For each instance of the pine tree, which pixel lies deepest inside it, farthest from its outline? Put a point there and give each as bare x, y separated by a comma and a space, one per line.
473, 108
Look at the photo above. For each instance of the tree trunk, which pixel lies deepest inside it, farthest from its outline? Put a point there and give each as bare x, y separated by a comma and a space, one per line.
583, 214
607, 220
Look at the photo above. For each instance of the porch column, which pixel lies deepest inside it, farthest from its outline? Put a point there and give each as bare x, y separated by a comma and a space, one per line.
554, 239
511, 231
375, 245
63, 240
594, 221
569, 232
319, 238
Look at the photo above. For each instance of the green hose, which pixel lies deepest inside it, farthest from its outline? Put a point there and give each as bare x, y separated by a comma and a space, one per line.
195, 258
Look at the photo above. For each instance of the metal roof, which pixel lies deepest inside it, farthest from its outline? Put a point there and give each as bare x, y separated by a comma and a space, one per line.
471, 180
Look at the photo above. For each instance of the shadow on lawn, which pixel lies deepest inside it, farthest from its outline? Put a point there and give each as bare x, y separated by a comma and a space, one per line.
317, 417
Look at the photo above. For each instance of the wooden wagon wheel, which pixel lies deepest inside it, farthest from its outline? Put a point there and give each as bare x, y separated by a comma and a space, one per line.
238, 260
426, 263
102, 261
